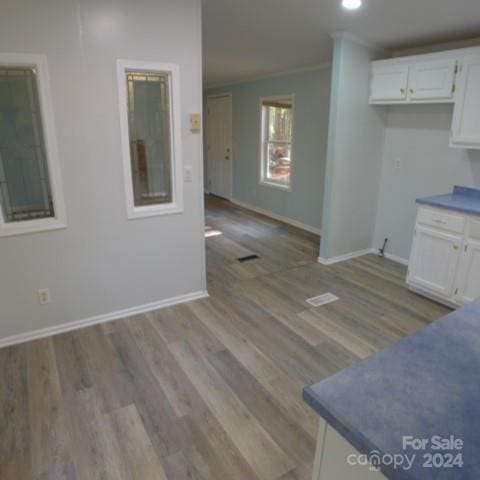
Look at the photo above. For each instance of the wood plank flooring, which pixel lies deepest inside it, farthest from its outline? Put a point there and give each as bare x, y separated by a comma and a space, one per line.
209, 390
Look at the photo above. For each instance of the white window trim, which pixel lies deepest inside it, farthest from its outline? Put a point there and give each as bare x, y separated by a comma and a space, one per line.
48, 124
263, 181
173, 71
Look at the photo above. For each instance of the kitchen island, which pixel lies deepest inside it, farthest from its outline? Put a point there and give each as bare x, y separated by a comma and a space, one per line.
412, 410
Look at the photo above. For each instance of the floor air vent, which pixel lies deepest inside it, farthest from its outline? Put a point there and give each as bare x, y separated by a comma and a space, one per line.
322, 299
248, 258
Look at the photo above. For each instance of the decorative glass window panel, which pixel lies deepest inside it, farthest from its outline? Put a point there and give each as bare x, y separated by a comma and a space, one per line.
149, 133
24, 180
149, 118
28, 168
276, 134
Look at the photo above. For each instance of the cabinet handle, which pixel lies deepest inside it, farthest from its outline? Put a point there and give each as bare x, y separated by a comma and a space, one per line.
441, 222
456, 247
411, 90
402, 90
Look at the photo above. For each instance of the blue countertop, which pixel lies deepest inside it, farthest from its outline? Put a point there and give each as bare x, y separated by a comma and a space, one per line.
423, 386
463, 199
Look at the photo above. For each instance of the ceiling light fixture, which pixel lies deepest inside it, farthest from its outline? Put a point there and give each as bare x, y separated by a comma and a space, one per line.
351, 4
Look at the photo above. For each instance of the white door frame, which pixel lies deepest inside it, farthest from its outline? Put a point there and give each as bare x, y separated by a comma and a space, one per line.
229, 96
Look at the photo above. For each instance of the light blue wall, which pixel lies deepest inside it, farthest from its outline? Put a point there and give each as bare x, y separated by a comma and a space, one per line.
355, 146
417, 162
312, 98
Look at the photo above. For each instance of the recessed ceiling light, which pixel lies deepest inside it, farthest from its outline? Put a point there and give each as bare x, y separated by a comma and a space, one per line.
351, 4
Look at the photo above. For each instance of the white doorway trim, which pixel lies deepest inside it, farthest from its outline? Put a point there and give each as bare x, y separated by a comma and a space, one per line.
207, 186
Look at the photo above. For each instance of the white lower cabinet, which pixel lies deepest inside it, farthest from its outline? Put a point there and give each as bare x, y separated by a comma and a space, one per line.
434, 260
469, 273
445, 259
337, 459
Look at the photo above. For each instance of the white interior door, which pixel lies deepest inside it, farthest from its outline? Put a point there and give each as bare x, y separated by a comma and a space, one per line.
219, 145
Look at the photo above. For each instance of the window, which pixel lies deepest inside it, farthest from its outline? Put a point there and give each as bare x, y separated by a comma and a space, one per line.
276, 145
149, 112
30, 187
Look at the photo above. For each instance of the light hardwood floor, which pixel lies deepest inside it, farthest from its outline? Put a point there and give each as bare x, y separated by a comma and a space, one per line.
209, 390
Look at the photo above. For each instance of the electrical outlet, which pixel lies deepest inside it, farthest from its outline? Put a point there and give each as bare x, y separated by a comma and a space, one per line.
44, 296
398, 163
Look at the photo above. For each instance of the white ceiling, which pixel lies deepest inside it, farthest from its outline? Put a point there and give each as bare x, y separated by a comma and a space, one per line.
248, 38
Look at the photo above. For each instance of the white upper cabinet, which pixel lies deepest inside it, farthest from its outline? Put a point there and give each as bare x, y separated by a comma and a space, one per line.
466, 117
412, 80
389, 83
445, 77
432, 80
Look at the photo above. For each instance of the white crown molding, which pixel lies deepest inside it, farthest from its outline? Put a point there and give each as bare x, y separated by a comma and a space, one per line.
108, 317
359, 41
439, 47
283, 73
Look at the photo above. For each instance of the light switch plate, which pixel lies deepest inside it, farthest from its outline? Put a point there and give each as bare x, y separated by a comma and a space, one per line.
187, 173
195, 122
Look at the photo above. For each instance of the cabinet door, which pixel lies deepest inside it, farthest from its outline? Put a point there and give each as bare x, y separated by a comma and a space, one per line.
389, 83
434, 261
432, 80
469, 273
466, 115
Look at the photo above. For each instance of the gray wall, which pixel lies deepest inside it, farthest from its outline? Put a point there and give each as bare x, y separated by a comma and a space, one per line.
102, 262
355, 143
312, 95
417, 136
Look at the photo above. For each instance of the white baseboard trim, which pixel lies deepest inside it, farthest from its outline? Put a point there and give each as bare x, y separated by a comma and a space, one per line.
395, 258
344, 258
360, 253
432, 296
275, 216
107, 317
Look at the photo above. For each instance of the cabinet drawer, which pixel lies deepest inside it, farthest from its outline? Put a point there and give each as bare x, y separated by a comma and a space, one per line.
475, 229
442, 220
